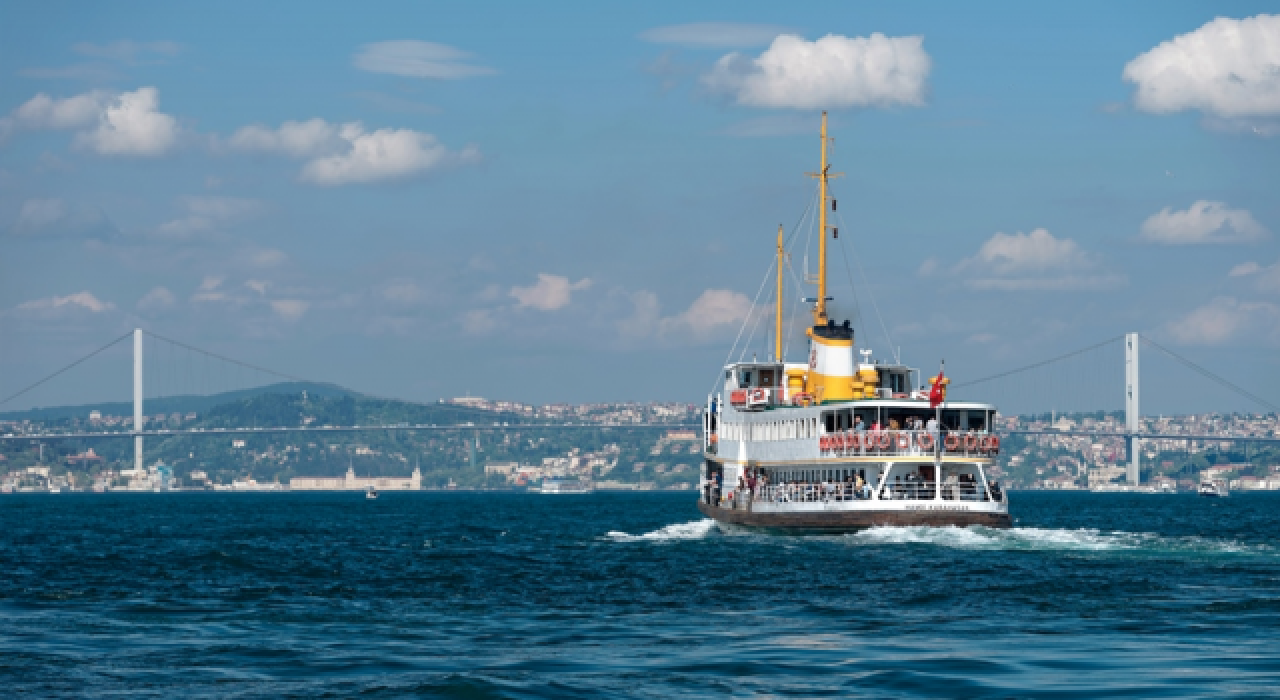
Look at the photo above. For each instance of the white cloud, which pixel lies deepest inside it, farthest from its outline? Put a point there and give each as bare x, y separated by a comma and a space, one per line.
157, 299
259, 286
297, 139
1226, 319
832, 72
130, 124
550, 293
209, 290
81, 300
714, 35
1228, 67
1202, 222
1033, 261
44, 112
39, 214
1244, 269
346, 154
267, 257
290, 309
478, 321
205, 214
418, 59
711, 312
382, 155
403, 292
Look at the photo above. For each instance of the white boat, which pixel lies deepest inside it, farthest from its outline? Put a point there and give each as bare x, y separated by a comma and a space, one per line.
371, 493
1214, 488
566, 486
841, 441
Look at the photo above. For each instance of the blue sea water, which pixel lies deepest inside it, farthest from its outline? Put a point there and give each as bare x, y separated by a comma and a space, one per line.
631, 595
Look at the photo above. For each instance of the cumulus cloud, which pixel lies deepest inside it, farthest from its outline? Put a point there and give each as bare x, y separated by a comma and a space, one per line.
713, 35
418, 59
1228, 67
130, 124
210, 290
158, 299
205, 214
297, 139
831, 72
290, 309
711, 312
49, 217
550, 293
79, 300
1202, 222
347, 154
1227, 319
1264, 279
45, 112
1033, 261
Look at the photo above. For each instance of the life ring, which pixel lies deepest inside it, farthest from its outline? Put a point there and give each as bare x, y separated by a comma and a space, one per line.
823, 443
846, 440
995, 444
925, 440
952, 442
856, 443
904, 441
758, 394
970, 442
883, 440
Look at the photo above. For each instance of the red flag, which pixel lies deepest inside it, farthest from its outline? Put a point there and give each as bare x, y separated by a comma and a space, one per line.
936, 393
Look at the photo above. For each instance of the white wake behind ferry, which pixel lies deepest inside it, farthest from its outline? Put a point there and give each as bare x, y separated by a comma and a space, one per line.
843, 442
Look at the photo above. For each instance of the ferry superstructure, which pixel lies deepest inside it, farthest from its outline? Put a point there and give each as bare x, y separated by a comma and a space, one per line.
843, 441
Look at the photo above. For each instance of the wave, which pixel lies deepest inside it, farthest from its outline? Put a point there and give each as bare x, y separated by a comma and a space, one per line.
695, 530
1047, 539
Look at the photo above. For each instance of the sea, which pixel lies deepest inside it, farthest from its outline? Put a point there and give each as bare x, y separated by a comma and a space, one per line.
505, 595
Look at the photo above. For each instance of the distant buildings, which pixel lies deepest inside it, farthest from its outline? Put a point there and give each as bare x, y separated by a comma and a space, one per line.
351, 482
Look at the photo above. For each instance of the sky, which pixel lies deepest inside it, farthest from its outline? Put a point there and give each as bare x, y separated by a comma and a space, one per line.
578, 201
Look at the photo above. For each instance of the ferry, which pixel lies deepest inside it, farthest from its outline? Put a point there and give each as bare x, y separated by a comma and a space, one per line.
564, 486
843, 441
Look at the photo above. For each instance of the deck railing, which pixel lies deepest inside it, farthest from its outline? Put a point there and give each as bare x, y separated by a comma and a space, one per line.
911, 490
876, 443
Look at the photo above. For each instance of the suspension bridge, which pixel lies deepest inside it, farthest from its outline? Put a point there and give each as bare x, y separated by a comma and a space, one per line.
1084, 380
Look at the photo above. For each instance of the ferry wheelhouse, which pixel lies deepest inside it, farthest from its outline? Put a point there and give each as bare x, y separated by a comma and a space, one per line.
843, 441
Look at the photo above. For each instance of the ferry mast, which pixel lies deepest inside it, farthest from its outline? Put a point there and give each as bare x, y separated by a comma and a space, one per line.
820, 308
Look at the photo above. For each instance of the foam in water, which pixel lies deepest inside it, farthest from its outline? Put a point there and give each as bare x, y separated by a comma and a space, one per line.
1045, 539
695, 530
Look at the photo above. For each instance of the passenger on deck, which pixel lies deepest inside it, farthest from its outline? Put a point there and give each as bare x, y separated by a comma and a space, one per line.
858, 425
995, 491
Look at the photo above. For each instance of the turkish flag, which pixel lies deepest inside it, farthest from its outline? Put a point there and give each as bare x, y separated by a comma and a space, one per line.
935, 394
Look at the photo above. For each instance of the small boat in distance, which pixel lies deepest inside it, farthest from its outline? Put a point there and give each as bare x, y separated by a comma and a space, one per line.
371, 493
1214, 488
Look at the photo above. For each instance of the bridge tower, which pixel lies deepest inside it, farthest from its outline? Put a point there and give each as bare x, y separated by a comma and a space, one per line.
137, 398
1132, 414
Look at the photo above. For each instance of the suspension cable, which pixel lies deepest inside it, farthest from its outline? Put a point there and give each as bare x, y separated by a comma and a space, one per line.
246, 365
1209, 375
1037, 364
64, 369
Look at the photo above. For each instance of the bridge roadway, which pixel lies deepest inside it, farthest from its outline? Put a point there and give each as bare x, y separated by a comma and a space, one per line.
674, 426
335, 429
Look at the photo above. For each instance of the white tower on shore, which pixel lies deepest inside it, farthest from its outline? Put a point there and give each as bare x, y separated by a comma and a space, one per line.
1132, 415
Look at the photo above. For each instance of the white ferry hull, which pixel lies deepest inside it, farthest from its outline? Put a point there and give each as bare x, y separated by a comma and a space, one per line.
836, 520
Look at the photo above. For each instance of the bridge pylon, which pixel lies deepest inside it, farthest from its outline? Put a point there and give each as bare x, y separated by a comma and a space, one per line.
137, 399
1132, 412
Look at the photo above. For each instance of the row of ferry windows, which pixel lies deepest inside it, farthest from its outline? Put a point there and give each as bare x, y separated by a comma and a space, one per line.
843, 420
775, 430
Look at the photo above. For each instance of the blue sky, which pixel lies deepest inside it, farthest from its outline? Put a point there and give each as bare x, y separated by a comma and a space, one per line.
577, 202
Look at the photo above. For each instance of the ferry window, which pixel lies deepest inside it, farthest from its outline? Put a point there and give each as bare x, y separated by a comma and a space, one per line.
977, 420
951, 419
829, 421
868, 416
846, 419
746, 377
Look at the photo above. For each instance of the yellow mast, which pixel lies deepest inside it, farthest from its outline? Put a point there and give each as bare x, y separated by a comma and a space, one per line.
820, 308
777, 320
